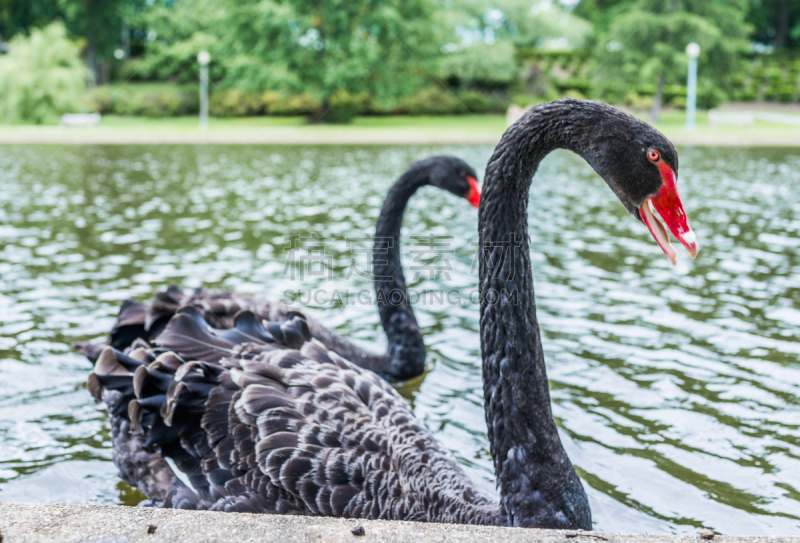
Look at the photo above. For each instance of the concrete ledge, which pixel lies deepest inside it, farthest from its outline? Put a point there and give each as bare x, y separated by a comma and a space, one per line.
95, 523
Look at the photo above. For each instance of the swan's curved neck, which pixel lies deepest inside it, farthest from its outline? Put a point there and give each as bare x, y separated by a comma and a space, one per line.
405, 356
538, 484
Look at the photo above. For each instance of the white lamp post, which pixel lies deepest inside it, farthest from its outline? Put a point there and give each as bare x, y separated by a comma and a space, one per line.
692, 51
203, 58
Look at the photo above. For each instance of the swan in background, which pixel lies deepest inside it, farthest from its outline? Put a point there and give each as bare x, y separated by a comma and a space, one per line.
405, 354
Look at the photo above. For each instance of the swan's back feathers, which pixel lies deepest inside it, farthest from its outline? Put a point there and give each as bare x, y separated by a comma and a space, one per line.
219, 309
267, 419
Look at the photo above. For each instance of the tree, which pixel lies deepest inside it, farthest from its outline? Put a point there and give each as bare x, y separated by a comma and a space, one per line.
645, 42
524, 22
336, 50
20, 16
776, 22
41, 77
100, 22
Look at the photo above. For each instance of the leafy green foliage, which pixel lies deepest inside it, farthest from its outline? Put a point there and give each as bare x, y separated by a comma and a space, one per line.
20, 16
235, 103
301, 104
41, 77
148, 100
647, 41
432, 101
543, 23
776, 22
176, 62
474, 102
481, 66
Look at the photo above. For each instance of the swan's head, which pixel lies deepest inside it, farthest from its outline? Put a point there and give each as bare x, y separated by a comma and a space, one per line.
641, 166
454, 175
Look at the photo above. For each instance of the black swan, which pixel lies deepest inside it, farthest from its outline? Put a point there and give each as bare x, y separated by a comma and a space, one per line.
405, 355
267, 419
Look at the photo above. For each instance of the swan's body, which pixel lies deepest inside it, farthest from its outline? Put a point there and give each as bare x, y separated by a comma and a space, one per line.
269, 420
405, 355
281, 430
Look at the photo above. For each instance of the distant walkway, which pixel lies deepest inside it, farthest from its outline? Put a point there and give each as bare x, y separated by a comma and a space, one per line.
275, 136
773, 128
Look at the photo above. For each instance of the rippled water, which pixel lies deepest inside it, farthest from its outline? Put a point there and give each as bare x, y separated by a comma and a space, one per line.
676, 389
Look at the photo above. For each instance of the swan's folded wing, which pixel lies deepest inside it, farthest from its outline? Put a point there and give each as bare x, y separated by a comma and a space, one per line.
272, 429
280, 424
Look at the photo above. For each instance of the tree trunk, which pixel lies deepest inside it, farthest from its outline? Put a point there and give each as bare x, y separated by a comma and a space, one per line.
657, 99
92, 61
782, 24
126, 40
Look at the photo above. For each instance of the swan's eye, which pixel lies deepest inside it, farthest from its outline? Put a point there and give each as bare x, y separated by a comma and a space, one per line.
653, 155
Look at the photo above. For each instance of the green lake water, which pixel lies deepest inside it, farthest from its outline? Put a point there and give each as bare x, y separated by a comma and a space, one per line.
677, 390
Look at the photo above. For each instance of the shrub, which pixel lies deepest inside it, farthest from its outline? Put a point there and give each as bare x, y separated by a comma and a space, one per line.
611, 90
145, 99
174, 62
671, 92
772, 93
539, 83
498, 102
342, 107
432, 101
481, 65
747, 95
42, 76
709, 95
254, 74
301, 104
474, 101
575, 95
679, 102
787, 93
101, 100
774, 76
235, 103
525, 99
582, 86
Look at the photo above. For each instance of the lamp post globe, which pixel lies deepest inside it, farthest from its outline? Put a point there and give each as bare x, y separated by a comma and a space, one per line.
692, 51
203, 58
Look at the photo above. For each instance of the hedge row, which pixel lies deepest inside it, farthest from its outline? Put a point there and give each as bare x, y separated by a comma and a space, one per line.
161, 100
772, 78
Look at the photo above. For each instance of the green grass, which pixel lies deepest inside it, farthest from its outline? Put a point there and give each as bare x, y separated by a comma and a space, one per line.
482, 123
486, 127
673, 124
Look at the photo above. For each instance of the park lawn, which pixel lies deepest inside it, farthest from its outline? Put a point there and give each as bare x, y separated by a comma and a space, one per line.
673, 124
445, 123
368, 129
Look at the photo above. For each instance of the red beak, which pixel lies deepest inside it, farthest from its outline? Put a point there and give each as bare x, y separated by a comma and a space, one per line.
668, 204
474, 196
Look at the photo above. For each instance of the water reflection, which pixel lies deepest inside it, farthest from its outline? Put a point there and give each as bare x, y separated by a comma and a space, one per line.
676, 388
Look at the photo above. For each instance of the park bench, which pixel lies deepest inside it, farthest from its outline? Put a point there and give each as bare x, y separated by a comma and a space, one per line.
80, 119
716, 118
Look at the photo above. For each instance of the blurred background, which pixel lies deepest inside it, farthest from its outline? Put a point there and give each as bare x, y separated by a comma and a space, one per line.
329, 61
676, 390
